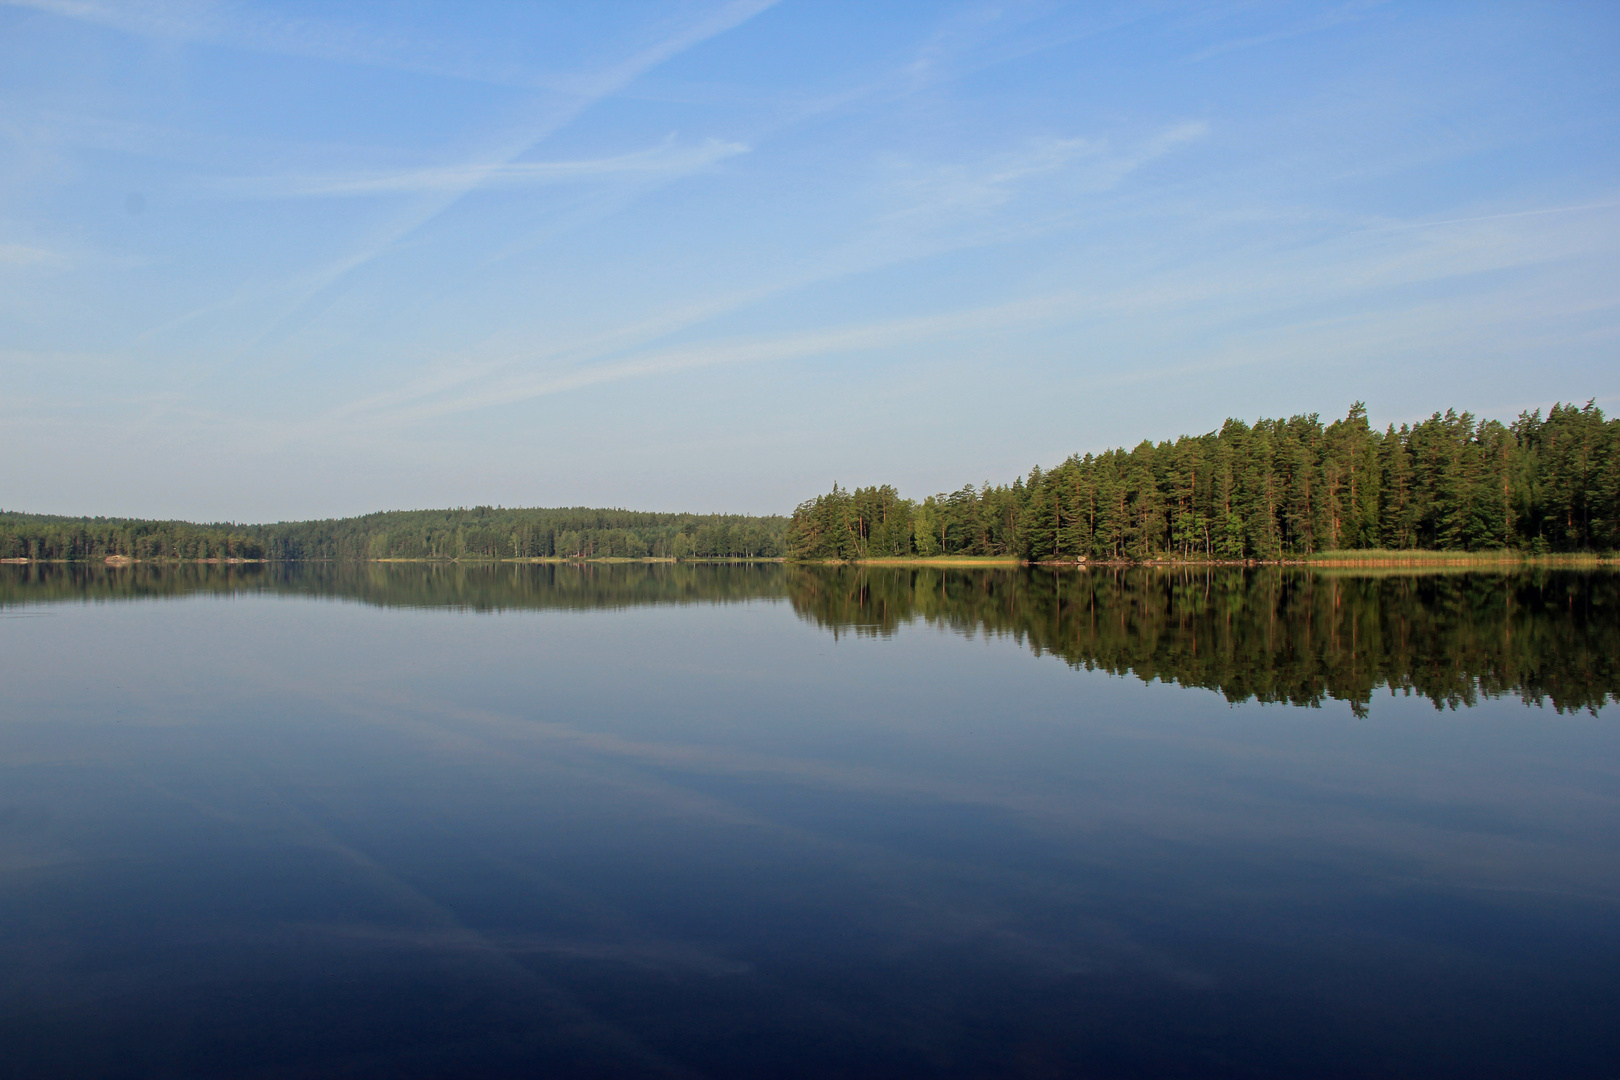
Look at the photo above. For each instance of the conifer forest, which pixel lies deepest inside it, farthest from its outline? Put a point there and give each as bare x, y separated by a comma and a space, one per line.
1270, 490
1274, 489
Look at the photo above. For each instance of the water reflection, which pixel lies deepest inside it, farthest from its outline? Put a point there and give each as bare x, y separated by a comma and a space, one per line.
461, 586
624, 825
1267, 634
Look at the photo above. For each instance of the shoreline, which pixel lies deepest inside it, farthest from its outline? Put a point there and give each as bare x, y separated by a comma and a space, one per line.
128, 560
1324, 561
1327, 561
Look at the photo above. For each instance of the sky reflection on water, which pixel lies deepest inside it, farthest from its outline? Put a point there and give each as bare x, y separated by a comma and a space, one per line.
256, 833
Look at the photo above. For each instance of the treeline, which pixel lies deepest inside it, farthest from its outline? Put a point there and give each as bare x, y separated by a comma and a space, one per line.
45, 536
1270, 634
487, 532
482, 532
1264, 491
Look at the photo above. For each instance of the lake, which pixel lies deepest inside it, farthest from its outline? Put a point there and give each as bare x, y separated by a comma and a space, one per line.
750, 820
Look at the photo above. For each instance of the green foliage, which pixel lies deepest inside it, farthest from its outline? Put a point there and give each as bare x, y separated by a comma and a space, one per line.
871, 522
1279, 488
482, 532
41, 536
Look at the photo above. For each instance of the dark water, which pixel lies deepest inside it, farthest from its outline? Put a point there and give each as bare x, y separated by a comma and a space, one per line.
739, 821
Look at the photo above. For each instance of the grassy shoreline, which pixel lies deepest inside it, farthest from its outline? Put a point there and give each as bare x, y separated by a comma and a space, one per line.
1320, 560
1458, 558
932, 560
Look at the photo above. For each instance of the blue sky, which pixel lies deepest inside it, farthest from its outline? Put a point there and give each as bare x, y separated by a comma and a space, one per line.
265, 261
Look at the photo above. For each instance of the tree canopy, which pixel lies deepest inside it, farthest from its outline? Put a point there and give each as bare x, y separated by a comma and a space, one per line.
482, 532
1268, 490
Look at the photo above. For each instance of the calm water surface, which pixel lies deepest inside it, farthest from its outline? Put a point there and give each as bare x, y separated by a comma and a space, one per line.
747, 821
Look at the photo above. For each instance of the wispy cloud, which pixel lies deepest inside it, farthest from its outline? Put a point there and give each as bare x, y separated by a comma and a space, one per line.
39, 258
187, 21
593, 89
948, 193
522, 386
1193, 299
463, 179
1076, 164
936, 197
1505, 216
1326, 21
254, 29
663, 161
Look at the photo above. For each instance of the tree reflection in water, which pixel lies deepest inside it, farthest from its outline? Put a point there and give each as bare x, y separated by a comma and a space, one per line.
1271, 634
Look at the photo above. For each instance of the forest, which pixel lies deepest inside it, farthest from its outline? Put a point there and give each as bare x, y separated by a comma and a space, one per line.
1273, 489
482, 532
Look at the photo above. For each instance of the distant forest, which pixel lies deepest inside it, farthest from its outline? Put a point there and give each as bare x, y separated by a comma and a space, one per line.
1264, 491
1270, 490
483, 532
